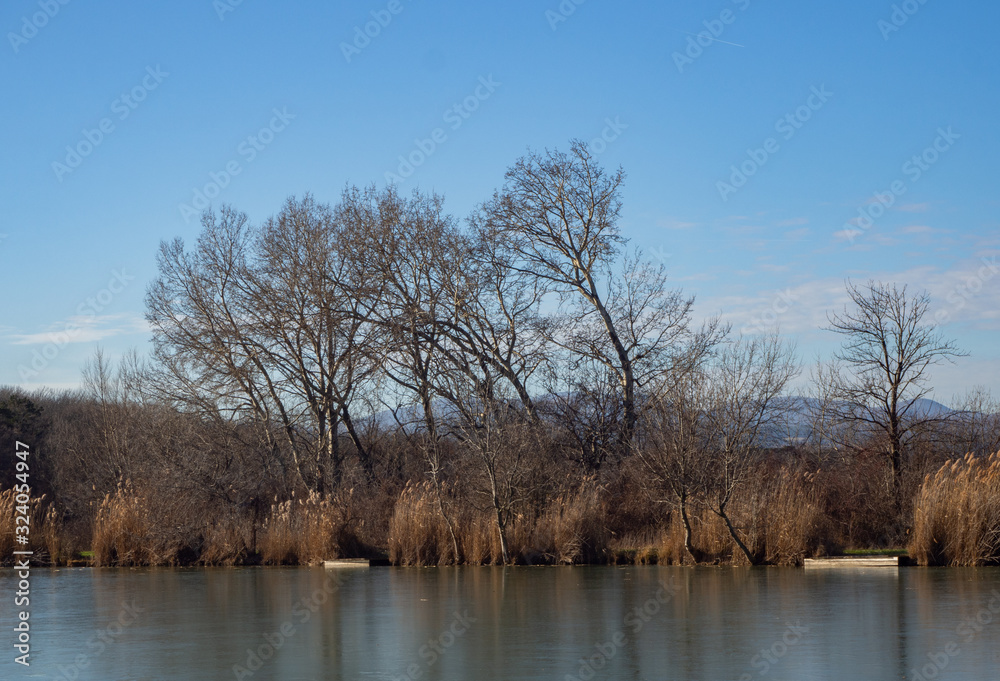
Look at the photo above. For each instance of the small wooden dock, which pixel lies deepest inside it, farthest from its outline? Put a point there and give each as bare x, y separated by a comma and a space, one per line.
355, 562
848, 562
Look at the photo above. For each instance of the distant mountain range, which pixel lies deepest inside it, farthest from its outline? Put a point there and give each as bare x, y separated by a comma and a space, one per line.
797, 415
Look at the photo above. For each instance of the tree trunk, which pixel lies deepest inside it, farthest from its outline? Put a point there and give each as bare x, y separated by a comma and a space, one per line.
363, 455
444, 513
501, 523
752, 559
688, 545
625, 361
502, 531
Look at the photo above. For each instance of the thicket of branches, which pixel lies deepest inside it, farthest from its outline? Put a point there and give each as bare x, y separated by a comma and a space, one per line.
374, 376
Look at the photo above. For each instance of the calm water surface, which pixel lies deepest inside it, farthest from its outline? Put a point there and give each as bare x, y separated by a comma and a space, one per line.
517, 623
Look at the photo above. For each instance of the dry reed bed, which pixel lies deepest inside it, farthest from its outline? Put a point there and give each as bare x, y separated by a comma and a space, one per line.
572, 530
45, 529
787, 516
128, 532
957, 514
135, 527
309, 531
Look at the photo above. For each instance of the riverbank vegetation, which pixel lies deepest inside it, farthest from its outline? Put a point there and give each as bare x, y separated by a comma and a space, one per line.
372, 378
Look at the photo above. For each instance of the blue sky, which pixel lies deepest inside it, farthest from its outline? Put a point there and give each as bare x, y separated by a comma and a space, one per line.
772, 149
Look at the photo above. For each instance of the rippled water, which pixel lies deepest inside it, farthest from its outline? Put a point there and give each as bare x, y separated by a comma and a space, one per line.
516, 623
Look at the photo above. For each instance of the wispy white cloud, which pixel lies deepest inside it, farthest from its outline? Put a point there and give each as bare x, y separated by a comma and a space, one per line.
966, 293
83, 329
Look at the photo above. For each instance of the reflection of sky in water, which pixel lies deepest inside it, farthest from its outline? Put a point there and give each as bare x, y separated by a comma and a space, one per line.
521, 623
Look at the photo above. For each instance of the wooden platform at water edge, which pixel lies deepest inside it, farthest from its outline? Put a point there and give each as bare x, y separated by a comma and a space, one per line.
849, 562
355, 562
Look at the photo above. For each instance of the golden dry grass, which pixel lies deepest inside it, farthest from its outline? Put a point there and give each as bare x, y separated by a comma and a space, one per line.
308, 531
957, 514
418, 534
574, 528
124, 531
228, 540
44, 528
789, 523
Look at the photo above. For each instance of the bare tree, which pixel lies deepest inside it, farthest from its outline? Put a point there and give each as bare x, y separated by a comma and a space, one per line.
559, 213
584, 408
502, 442
118, 418
494, 327
261, 323
674, 440
887, 351
745, 415
405, 249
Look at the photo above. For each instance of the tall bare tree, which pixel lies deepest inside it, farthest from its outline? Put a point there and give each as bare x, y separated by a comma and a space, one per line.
405, 248
745, 415
559, 214
494, 326
674, 442
887, 351
502, 442
262, 323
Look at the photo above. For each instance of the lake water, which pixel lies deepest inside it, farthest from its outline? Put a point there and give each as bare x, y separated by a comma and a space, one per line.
516, 623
